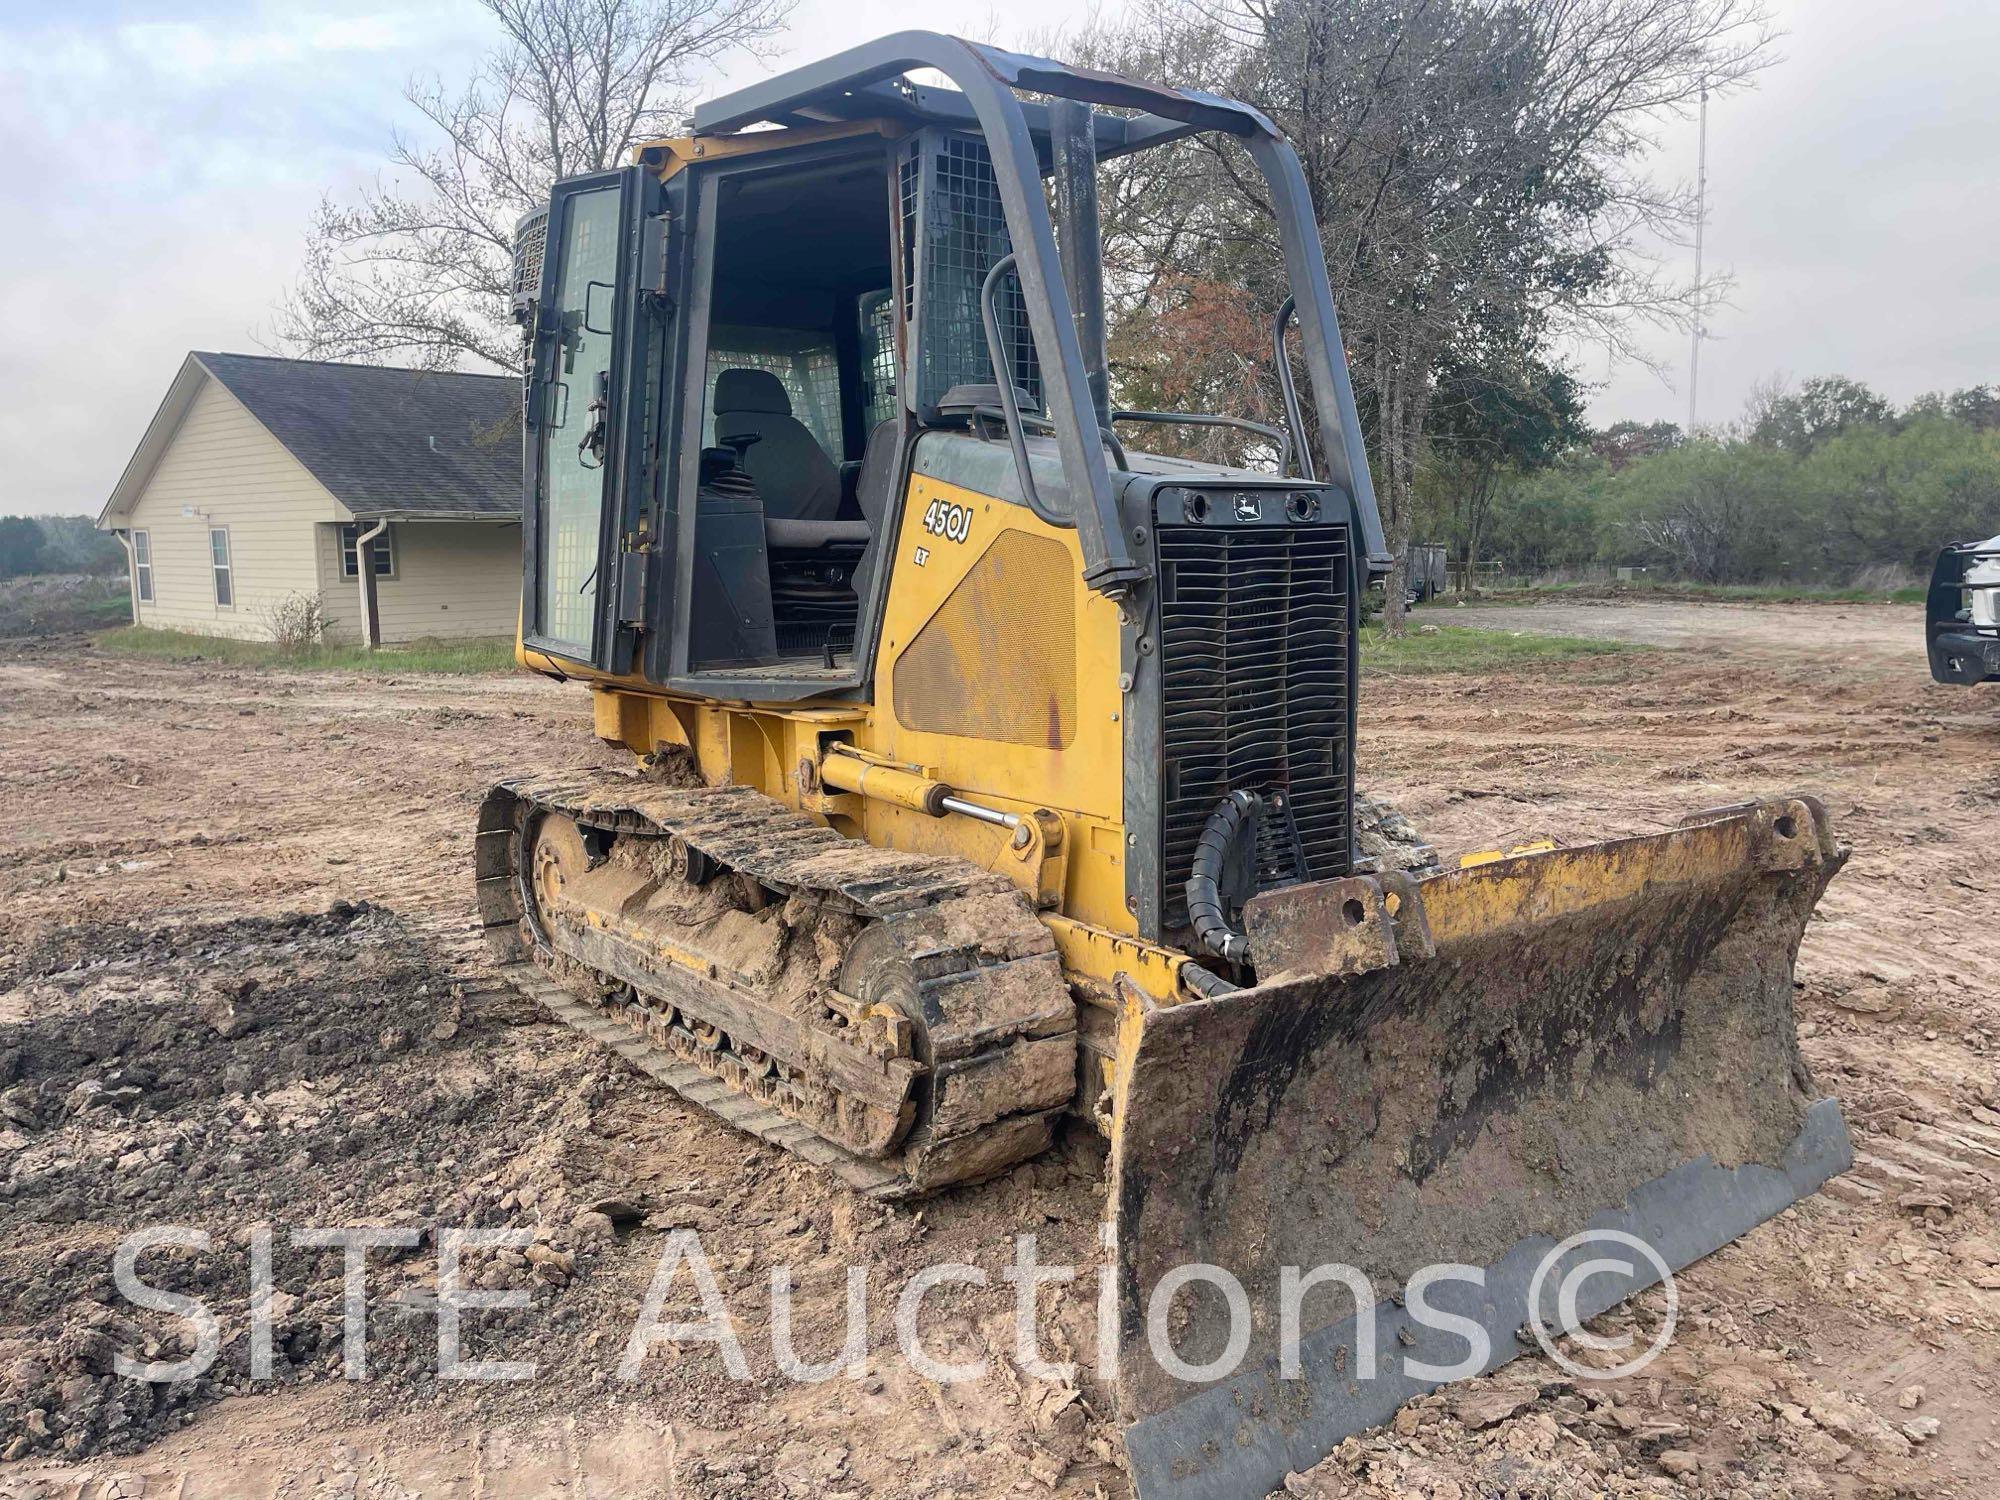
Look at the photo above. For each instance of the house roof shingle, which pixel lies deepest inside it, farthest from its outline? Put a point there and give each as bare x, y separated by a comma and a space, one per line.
389, 442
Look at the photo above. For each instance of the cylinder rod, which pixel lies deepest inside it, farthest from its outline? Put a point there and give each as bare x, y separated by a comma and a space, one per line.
991, 815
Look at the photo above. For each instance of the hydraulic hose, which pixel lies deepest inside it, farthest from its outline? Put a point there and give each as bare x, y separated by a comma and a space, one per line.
1198, 981
1234, 817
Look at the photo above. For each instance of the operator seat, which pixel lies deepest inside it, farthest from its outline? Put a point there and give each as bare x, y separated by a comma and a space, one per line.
799, 484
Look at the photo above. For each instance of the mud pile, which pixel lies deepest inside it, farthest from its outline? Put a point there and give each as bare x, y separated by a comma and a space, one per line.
262, 1075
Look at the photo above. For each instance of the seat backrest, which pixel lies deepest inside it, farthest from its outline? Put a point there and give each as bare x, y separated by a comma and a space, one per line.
879, 463
794, 476
878, 472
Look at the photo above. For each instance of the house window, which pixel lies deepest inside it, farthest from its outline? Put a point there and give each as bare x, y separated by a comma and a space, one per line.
350, 550
142, 565
218, 559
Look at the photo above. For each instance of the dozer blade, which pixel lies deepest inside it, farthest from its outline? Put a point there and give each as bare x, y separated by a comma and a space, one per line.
1593, 1038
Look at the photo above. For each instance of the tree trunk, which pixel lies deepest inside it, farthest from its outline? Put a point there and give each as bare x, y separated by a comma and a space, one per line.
1400, 436
1475, 531
1390, 493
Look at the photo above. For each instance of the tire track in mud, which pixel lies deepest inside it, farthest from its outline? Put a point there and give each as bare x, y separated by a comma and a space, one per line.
346, 788
1797, 1348
1818, 1340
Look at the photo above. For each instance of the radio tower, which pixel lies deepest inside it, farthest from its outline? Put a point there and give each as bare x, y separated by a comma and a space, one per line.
1700, 292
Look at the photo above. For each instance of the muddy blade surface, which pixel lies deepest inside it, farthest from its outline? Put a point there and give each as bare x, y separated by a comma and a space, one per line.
1588, 1039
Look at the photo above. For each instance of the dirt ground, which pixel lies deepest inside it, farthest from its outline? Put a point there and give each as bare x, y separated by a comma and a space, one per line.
239, 987
1880, 636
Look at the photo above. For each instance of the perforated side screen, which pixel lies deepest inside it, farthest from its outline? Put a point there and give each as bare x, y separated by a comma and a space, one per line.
878, 358
530, 241
998, 659
530, 237
956, 228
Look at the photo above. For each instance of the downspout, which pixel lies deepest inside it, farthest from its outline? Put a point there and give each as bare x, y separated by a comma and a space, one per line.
124, 535
364, 572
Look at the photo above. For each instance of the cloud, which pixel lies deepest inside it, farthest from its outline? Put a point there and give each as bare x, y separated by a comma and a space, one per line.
1854, 196
156, 175
164, 171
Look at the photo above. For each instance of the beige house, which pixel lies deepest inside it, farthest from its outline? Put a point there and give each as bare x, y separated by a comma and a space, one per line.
264, 482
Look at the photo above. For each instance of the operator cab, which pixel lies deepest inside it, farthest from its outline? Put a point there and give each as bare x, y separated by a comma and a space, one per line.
711, 407
799, 380
743, 349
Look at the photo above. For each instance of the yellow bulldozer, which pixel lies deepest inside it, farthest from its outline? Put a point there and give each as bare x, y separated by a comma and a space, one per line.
994, 776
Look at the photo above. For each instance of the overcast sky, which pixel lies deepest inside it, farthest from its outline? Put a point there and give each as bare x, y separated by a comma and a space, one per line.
159, 160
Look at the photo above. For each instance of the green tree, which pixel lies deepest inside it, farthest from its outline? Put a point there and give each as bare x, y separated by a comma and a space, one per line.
73, 544
1549, 519
1625, 443
1822, 408
1713, 512
1873, 495
20, 547
1487, 424
1977, 406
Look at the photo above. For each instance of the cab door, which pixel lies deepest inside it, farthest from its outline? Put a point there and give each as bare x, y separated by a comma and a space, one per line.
599, 340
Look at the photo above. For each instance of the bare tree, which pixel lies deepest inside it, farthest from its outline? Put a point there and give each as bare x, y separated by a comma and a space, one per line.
1480, 170
1766, 396
418, 269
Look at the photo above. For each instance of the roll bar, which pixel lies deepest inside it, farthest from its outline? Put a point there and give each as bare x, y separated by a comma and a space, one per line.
851, 83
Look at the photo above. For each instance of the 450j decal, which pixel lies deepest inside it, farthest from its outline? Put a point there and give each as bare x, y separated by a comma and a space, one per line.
952, 522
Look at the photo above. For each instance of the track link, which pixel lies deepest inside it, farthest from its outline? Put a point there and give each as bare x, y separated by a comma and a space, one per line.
966, 1074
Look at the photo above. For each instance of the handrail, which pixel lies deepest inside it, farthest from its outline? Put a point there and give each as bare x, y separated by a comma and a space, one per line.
1036, 420
1210, 419
1003, 376
1308, 470
1319, 327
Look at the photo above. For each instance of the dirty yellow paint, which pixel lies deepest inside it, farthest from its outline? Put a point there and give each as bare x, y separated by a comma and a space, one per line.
672, 155
1079, 778
1533, 888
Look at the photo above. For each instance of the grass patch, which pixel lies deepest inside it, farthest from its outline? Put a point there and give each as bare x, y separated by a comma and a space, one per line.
1448, 648
454, 657
1750, 593
1458, 648
109, 611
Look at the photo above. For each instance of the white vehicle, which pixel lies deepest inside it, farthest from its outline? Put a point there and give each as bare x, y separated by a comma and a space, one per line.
1962, 614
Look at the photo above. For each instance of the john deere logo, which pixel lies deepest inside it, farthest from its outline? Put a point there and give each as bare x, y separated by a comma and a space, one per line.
1247, 508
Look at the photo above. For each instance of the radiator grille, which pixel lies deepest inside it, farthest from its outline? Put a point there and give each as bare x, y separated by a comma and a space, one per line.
1254, 693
